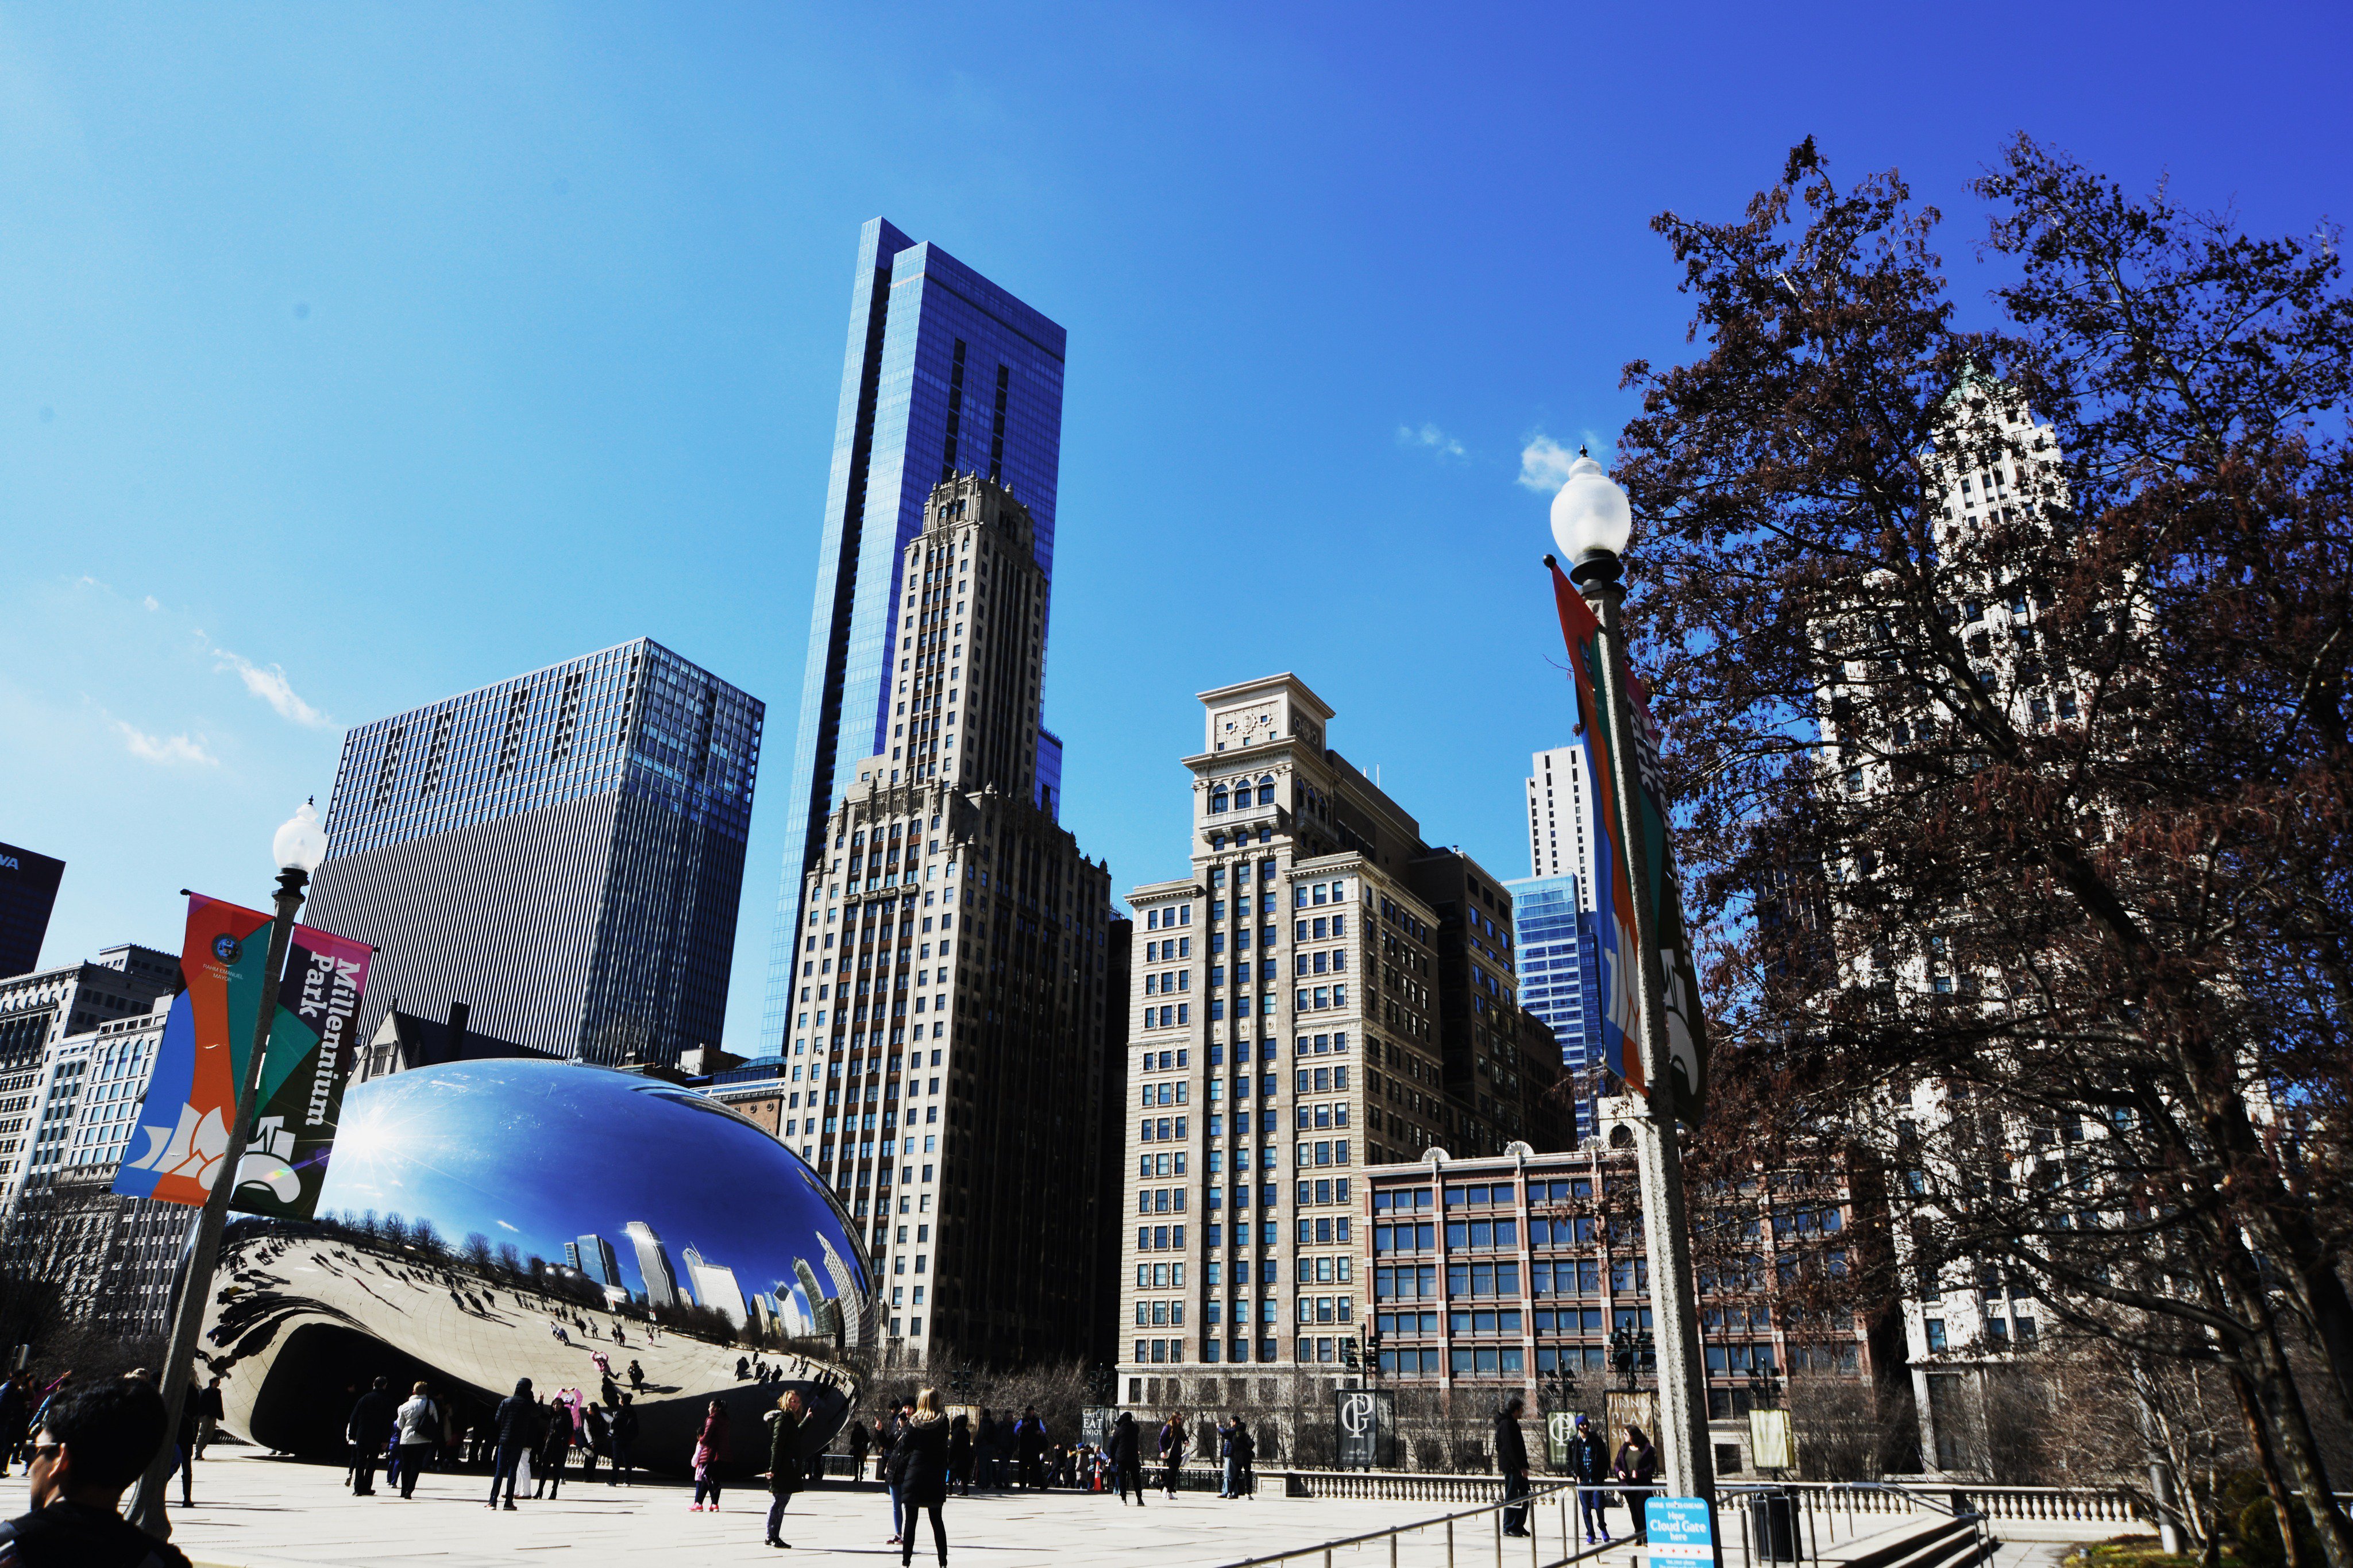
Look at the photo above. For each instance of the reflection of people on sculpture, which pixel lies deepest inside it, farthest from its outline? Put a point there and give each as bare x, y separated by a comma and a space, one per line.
624, 1440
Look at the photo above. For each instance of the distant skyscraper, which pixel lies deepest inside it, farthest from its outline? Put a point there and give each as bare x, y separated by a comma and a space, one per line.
1560, 978
1560, 819
956, 926
945, 373
563, 852
1560, 975
29, 890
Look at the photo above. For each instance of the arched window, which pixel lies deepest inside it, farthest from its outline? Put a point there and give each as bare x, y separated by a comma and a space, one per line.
1266, 790
1217, 798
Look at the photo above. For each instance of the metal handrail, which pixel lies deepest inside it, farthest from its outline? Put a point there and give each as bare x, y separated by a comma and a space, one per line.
1558, 1490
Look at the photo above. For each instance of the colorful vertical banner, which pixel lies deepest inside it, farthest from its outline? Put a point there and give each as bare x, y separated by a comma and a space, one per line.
205, 1054
200, 1063
1613, 892
302, 1076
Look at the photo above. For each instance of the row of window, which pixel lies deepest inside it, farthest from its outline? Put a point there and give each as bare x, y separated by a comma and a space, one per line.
1167, 919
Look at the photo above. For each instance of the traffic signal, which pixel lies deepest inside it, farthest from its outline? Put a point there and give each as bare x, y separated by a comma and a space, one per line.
1621, 1350
1649, 1349
1348, 1352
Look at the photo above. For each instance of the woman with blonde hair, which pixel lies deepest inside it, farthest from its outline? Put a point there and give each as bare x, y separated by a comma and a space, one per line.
784, 1470
919, 1469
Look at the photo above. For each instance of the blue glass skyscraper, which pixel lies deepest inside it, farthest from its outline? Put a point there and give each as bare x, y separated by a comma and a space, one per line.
1560, 977
945, 373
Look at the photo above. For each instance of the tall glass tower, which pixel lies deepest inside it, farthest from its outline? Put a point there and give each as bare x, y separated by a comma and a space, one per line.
945, 373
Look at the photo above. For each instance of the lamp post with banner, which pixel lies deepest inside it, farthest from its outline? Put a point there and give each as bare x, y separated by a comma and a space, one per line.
1661, 1037
299, 846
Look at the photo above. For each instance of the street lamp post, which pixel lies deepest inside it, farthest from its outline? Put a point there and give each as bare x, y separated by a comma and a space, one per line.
299, 846
1591, 522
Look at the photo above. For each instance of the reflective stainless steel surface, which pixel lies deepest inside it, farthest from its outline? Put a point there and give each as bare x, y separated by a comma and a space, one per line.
697, 1244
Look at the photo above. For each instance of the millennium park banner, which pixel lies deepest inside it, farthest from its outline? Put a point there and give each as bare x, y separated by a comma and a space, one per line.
1613, 891
206, 1052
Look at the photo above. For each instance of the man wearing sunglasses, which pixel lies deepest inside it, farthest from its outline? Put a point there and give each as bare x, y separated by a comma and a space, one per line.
93, 1444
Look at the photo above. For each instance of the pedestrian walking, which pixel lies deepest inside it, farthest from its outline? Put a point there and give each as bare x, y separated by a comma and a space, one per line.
1172, 1451
1588, 1461
596, 1437
209, 1411
1238, 1448
1127, 1460
984, 1454
858, 1440
1638, 1462
710, 1453
516, 1424
416, 1428
919, 1463
16, 1417
960, 1454
368, 1431
1030, 1447
886, 1437
784, 1461
187, 1445
554, 1442
624, 1440
1511, 1463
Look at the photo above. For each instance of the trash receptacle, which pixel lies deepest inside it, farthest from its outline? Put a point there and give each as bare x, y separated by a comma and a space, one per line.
1773, 1525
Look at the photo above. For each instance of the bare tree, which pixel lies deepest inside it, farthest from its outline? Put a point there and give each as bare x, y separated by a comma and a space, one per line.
2087, 894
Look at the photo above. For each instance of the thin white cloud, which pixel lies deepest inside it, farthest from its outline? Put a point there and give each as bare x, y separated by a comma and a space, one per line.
1428, 438
1543, 464
168, 751
270, 685
150, 603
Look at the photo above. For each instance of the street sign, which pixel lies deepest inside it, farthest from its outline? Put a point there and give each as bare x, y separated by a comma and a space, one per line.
1364, 1426
1560, 1431
1770, 1445
1682, 1529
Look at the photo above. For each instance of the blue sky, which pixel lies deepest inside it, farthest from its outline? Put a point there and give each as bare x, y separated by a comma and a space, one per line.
351, 356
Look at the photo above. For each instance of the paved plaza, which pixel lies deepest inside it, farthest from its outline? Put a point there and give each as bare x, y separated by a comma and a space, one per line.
253, 1511
257, 1511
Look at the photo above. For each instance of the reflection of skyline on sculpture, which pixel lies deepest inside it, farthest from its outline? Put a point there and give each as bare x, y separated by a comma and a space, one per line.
531, 1156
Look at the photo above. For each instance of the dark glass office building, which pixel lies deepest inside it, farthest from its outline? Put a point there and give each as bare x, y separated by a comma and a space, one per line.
562, 852
1561, 979
28, 891
945, 373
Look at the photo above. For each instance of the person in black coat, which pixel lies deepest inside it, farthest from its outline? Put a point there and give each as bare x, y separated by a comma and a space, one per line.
369, 1429
516, 1424
1127, 1456
1588, 1461
960, 1455
919, 1473
1512, 1461
784, 1470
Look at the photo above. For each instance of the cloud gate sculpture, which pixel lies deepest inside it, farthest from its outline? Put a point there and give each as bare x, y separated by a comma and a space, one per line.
584, 1228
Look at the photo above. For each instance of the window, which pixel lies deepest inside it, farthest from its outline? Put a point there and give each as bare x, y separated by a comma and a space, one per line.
1937, 1333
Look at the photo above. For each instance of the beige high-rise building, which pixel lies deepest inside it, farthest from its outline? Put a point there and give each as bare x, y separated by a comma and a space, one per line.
1323, 992
946, 1059
1560, 819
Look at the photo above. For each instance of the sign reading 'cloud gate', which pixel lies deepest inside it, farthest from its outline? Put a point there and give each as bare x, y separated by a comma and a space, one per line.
485, 1221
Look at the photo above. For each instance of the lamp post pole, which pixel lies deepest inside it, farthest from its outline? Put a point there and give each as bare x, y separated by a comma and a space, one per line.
1592, 521
1687, 1462
300, 848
